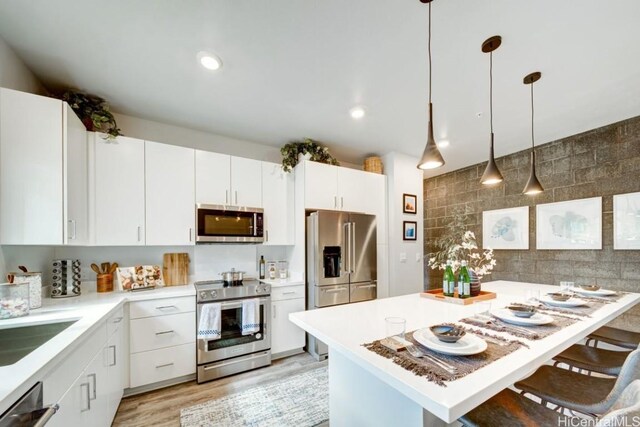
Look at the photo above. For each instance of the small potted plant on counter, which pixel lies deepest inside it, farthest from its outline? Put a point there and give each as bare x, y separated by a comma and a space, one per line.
307, 149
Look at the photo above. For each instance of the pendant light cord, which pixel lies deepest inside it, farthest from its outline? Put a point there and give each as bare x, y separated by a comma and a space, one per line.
429, 47
491, 90
532, 129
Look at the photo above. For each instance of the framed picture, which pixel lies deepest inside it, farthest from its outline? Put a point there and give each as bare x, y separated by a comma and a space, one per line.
410, 230
506, 228
626, 221
409, 203
576, 224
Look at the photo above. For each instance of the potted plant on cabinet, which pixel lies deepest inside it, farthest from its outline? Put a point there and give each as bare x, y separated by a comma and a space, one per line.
307, 149
93, 111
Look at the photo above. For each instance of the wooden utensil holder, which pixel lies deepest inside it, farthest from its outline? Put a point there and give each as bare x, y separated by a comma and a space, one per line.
104, 282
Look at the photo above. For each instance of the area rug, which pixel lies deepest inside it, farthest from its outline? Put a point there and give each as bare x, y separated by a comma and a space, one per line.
301, 400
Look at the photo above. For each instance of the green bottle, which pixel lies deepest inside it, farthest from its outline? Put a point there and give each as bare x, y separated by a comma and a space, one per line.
464, 282
448, 281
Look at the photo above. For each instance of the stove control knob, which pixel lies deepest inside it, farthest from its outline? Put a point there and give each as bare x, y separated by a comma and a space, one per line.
258, 290
203, 294
214, 294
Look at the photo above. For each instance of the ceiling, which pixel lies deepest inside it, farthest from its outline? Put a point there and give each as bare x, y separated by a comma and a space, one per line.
293, 69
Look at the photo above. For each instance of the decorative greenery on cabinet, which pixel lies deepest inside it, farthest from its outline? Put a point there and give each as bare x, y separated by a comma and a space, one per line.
93, 111
309, 148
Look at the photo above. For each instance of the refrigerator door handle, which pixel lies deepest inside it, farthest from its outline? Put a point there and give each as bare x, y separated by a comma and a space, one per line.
352, 256
346, 241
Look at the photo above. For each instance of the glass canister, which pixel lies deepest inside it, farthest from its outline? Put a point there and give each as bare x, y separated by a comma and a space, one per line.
283, 269
272, 270
34, 279
14, 300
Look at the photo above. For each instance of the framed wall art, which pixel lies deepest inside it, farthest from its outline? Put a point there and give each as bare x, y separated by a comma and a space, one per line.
626, 221
409, 203
575, 224
410, 230
506, 228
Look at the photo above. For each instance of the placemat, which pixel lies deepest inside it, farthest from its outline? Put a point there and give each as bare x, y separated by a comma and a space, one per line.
465, 364
534, 332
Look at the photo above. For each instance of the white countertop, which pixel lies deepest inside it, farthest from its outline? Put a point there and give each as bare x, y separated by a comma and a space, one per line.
88, 309
280, 283
345, 328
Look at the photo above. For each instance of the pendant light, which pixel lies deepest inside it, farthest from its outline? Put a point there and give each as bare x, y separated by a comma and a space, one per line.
533, 185
491, 173
431, 157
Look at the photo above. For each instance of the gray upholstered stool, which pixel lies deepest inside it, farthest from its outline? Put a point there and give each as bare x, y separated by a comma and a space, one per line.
593, 359
625, 410
617, 337
587, 394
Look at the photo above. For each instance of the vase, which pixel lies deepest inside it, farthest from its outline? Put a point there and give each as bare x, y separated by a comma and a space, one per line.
476, 286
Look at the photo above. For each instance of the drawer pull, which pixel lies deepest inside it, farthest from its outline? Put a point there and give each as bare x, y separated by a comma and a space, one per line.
165, 307
289, 293
165, 365
88, 396
164, 332
117, 320
95, 383
334, 291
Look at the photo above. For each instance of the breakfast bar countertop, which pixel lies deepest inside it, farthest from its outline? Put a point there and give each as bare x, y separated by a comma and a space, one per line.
346, 328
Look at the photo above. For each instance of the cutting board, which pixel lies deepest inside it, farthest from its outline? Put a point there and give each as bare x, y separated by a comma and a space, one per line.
175, 269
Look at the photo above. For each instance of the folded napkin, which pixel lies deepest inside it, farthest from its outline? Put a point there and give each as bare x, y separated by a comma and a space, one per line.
209, 325
250, 316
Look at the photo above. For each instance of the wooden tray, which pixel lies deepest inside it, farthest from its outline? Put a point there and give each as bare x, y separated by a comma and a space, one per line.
436, 294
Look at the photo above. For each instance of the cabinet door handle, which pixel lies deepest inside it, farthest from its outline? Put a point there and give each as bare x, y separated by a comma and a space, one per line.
226, 197
139, 233
165, 332
94, 380
335, 202
117, 320
190, 234
113, 347
164, 366
274, 311
236, 197
341, 202
164, 307
289, 293
266, 235
72, 235
88, 408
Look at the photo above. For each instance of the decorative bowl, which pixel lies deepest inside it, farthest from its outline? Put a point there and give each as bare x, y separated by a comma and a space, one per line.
559, 296
447, 333
591, 288
522, 310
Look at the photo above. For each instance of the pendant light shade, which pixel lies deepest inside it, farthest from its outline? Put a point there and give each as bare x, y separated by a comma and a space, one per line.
533, 184
431, 157
491, 173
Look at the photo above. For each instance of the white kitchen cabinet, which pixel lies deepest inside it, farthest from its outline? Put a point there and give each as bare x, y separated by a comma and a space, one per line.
169, 194
320, 186
286, 338
116, 195
116, 359
76, 179
31, 169
73, 405
213, 178
278, 205
163, 364
246, 182
360, 191
151, 333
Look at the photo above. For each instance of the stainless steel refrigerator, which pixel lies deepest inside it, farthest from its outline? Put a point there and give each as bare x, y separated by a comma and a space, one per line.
341, 263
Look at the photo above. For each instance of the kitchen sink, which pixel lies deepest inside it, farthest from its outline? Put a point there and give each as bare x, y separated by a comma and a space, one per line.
19, 341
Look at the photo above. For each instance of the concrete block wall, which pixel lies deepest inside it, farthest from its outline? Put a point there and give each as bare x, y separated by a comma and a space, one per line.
601, 162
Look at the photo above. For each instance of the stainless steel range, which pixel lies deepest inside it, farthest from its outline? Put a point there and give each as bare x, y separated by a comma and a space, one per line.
231, 351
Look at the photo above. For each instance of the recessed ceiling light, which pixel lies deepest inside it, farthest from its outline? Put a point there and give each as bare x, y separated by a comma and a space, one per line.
357, 113
209, 61
442, 144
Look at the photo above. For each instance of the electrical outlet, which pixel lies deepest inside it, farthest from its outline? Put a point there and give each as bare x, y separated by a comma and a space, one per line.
403, 257
418, 256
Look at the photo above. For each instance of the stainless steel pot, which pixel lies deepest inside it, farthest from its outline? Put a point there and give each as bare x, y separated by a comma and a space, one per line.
232, 276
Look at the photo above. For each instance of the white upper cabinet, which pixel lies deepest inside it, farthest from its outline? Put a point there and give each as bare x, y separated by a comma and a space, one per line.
360, 191
320, 186
33, 171
246, 182
278, 204
213, 178
76, 179
170, 194
117, 198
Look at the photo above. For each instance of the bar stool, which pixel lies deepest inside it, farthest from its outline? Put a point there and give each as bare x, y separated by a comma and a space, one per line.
586, 394
592, 359
614, 336
509, 408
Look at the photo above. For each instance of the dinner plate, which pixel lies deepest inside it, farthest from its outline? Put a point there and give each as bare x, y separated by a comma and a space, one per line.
535, 320
598, 293
466, 346
572, 302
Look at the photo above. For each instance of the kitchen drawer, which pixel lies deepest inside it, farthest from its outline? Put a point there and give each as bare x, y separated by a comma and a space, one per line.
115, 321
159, 365
151, 333
161, 307
363, 291
287, 292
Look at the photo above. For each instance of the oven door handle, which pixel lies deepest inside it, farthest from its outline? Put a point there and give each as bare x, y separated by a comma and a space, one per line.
255, 356
238, 304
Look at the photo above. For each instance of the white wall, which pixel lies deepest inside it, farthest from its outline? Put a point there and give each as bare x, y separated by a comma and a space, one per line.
406, 263
14, 74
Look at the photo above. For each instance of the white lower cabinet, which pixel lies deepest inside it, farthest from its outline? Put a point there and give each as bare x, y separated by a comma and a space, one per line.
164, 364
286, 338
116, 359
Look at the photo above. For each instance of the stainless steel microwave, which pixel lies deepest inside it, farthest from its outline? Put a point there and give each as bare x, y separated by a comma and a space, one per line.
229, 224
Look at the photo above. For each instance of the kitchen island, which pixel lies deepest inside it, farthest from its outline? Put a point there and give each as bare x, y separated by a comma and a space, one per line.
368, 389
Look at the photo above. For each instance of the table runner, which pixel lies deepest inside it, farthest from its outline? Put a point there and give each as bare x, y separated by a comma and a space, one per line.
465, 364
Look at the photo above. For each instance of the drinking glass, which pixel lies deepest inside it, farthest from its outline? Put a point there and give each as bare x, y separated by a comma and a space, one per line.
564, 287
395, 327
482, 308
532, 296
571, 287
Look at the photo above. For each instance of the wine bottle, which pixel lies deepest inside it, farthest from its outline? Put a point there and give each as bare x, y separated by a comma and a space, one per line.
449, 281
464, 281
262, 267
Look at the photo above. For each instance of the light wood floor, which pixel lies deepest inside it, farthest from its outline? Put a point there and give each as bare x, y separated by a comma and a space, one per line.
162, 407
